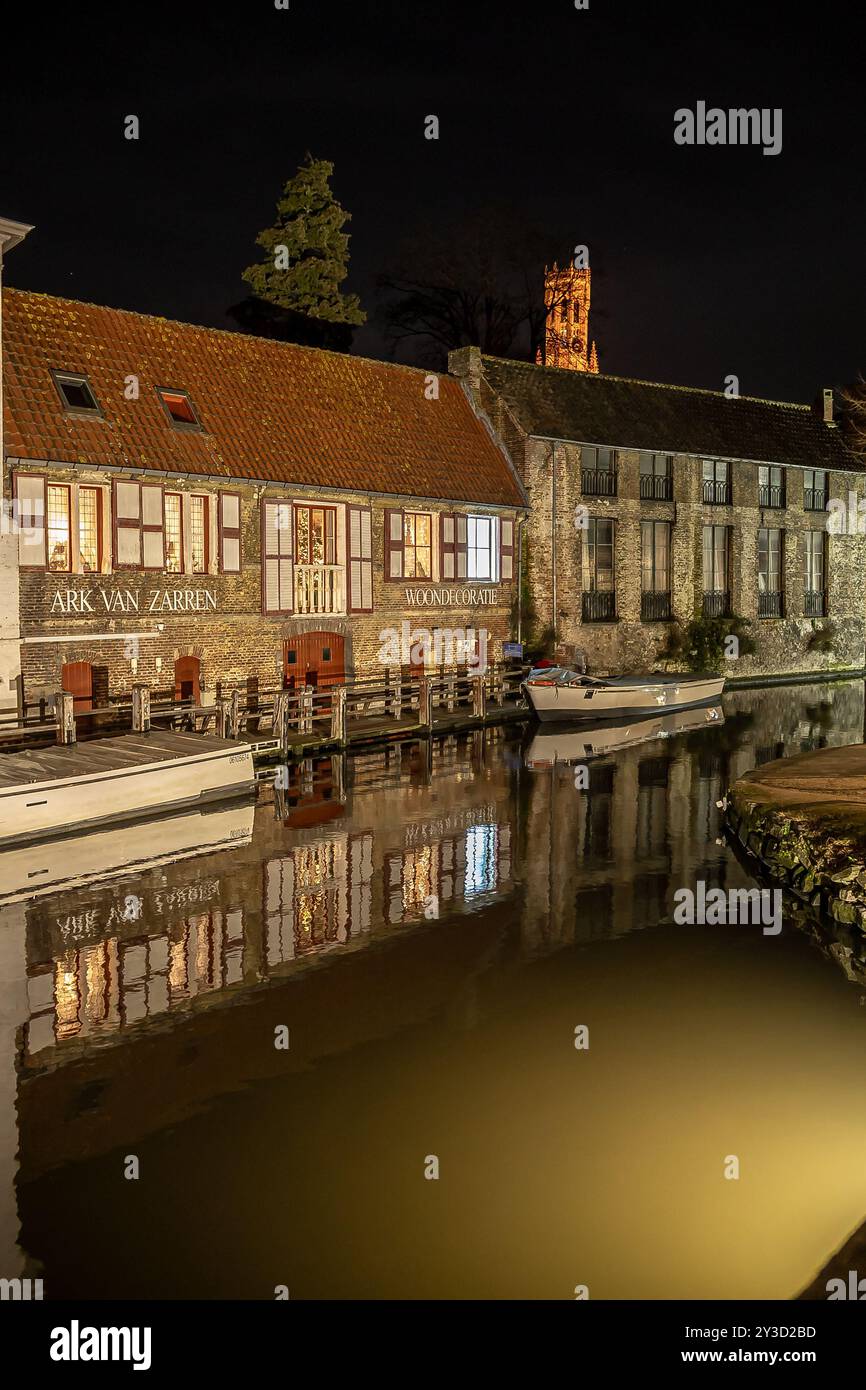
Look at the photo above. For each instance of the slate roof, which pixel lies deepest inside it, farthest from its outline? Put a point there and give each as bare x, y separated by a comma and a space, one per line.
271, 411
560, 404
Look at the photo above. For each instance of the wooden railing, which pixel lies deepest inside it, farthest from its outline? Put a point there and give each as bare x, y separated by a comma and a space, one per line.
319, 589
360, 708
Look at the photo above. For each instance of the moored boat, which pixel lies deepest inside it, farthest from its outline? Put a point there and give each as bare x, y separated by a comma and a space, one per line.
47, 791
561, 694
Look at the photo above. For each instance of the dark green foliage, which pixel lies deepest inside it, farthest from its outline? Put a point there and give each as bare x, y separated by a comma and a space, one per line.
700, 645
822, 639
307, 251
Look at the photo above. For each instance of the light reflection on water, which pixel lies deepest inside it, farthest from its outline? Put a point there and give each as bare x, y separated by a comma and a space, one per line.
432, 923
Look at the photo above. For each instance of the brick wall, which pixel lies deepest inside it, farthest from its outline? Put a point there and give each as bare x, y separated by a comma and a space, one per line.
221, 621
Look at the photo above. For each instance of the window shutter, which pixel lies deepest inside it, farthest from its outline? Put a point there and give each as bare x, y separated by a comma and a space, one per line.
152, 527
32, 534
447, 547
127, 525
277, 552
229, 517
393, 544
462, 546
506, 548
360, 560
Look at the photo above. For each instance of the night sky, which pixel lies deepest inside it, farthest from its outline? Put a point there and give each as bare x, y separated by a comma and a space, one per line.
707, 261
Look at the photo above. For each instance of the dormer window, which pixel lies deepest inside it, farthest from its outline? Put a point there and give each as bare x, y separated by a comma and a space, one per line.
179, 409
76, 393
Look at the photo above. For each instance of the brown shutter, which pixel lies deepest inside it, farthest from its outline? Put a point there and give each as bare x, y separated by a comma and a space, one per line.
127, 525
506, 547
447, 547
394, 567
152, 527
360, 560
277, 552
31, 521
229, 527
462, 546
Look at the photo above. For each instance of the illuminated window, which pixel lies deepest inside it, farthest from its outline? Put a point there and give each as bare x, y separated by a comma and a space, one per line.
75, 393
315, 535
198, 524
90, 529
174, 532
59, 550
417, 545
481, 559
179, 409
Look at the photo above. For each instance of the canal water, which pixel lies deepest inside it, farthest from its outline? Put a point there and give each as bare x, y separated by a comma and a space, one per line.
426, 928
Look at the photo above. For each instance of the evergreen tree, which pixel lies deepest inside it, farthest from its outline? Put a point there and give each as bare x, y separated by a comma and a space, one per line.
307, 252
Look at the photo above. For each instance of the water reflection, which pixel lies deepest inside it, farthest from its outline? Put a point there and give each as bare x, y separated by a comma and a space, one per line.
440, 894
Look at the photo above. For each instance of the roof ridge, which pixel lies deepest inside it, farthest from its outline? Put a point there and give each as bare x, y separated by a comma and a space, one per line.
640, 381
235, 334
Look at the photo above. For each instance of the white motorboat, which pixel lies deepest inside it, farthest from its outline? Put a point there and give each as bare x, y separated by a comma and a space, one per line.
560, 694
49, 791
581, 745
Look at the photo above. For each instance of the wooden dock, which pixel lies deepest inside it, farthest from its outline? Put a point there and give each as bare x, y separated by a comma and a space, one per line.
284, 723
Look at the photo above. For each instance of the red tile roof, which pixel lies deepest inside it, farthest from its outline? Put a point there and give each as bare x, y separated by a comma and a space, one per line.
269, 410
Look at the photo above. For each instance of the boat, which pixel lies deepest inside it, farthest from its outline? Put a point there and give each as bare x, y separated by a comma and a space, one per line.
34, 869
49, 791
563, 745
564, 695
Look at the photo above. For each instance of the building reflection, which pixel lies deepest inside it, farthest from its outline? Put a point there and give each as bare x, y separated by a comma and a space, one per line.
401, 837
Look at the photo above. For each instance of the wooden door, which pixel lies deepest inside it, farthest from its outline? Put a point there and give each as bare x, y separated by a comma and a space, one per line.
314, 658
187, 679
77, 678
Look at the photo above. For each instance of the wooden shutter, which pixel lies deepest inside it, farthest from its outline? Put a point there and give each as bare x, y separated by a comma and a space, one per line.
506, 548
152, 527
229, 518
462, 546
394, 568
127, 525
447, 547
32, 521
360, 560
277, 552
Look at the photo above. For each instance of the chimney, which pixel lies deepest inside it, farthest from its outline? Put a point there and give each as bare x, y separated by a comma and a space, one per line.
465, 363
827, 406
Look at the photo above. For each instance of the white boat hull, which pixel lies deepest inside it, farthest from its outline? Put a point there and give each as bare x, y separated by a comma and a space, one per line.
564, 702
51, 801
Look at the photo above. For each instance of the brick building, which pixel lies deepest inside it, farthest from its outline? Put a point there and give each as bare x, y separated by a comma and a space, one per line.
653, 503
193, 505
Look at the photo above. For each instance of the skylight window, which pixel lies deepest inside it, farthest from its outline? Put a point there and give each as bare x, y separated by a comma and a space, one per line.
179, 409
76, 393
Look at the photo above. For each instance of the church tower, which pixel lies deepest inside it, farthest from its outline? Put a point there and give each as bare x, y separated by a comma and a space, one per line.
566, 334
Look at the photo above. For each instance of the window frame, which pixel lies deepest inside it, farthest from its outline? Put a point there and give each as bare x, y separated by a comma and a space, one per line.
473, 518
182, 557
100, 527
414, 547
58, 487
205, 499
78, 379
194, 425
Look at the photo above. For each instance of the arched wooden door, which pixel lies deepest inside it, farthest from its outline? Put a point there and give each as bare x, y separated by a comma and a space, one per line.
314, 658
77, 678
187, 679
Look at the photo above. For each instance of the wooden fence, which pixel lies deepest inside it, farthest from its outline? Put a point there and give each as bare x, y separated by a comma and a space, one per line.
358, 710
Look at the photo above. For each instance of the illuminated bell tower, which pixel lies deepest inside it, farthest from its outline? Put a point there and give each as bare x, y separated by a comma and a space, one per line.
566, 334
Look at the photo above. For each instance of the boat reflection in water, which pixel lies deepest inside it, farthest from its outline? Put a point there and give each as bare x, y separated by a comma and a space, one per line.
431, 921
72, 861
570, 745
